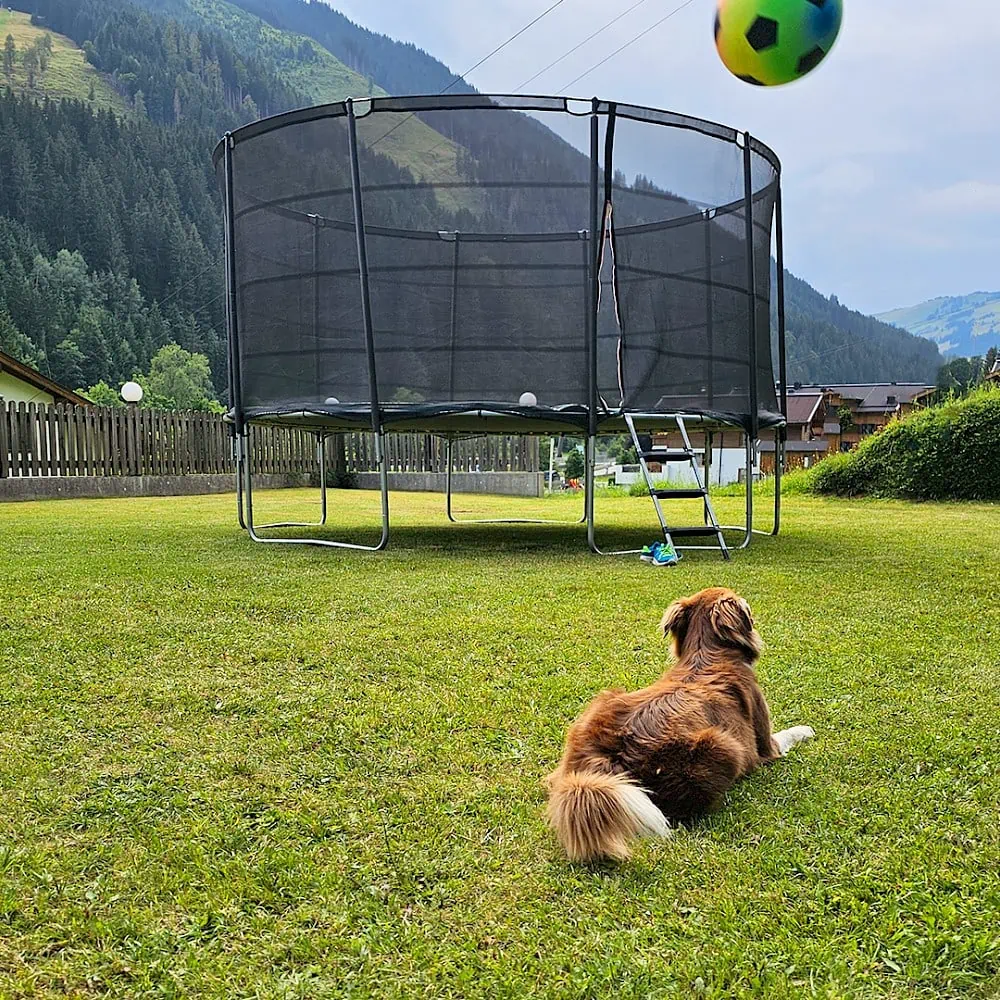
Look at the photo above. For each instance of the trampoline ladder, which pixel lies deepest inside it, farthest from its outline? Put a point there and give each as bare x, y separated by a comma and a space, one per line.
711, 527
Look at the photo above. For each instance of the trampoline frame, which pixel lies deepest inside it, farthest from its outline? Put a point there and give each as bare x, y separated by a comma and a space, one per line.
241, 425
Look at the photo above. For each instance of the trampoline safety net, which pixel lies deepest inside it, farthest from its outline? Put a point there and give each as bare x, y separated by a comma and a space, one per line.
480, 266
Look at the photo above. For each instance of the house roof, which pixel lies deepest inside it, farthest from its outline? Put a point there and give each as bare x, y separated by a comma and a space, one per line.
817, 447
35, 378
802, 406
874, 396
995, 370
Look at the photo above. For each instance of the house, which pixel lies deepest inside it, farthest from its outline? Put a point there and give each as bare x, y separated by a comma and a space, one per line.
813, 428
993, 375
873, 405
20, 383
822, 419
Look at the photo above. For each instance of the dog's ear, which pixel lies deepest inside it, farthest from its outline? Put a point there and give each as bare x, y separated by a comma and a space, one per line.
732, 622
675, 623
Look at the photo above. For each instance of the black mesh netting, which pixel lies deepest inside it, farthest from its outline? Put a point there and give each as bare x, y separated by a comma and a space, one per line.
478, 221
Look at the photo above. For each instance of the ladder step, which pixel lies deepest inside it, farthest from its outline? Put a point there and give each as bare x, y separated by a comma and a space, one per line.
694, 494
667, 456
706, 531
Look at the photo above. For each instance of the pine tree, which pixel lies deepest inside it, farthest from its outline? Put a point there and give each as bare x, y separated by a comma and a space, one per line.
30, 60
9, 56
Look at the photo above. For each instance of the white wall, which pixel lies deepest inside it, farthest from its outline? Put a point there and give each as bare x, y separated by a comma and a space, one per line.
15, 390
726, 467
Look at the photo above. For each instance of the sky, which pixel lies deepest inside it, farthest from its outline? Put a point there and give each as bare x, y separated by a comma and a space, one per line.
890, 149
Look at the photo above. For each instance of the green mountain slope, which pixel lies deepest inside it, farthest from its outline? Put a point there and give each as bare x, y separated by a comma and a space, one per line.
66, 73
961, 325
311, 70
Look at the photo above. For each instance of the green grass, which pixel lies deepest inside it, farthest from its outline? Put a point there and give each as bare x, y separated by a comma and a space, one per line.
69, 75
236, 771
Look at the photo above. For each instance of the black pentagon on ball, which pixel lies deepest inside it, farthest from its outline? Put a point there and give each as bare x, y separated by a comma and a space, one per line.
810, 61
746, 78
762, 34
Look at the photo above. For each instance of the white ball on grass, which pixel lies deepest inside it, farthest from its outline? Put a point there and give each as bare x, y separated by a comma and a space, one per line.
528, 399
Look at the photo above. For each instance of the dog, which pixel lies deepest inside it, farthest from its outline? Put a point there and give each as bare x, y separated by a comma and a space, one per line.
636, 761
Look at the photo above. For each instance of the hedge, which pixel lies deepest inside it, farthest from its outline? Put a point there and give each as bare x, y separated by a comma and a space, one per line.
946, 452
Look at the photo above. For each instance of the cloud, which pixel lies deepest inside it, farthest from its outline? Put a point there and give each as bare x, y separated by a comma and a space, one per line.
842, 179
963, 198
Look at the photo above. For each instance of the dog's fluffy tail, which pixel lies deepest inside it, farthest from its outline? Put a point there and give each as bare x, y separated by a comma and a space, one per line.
595, 815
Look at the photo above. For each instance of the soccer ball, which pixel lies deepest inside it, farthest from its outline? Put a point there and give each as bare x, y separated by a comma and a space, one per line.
771, 42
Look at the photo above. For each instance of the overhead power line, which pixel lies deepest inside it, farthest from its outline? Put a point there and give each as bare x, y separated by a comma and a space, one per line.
622, 48
580, 45
489, 55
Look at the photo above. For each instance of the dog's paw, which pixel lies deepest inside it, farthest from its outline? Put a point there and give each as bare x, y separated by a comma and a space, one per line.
789, 738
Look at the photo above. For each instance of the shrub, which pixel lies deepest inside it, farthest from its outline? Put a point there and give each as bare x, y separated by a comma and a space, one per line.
946, 452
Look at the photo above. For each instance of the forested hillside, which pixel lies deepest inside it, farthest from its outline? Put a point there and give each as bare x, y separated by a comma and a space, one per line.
827, 342
136, 203
110, 224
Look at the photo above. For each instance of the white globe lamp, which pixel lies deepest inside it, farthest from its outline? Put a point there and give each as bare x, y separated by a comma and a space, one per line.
528, 399
132, 392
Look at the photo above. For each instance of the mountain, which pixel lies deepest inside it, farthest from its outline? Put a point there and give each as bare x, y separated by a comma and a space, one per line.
110, 226
828, 342
961, 325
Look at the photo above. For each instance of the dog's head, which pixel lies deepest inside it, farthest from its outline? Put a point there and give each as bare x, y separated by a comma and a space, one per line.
713, 618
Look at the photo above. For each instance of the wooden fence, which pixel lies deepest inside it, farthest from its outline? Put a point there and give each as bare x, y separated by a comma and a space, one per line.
62, 440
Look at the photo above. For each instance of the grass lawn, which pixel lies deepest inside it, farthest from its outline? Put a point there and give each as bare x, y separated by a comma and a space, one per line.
236, 771
68, 74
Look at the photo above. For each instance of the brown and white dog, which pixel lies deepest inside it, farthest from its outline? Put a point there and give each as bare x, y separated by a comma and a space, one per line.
636, 760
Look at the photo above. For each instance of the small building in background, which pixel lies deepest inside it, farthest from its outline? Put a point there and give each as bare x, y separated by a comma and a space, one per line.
873, 405
822, 420
20, 383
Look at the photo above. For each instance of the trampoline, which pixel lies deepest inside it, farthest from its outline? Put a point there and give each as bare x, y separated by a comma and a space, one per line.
466, 265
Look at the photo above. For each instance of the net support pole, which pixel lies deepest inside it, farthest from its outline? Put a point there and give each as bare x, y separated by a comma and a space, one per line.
366, 314
751, 284
314, 221
754, 426
238, 429
454, 315
709, 312
781, 434
594, 258
779, 237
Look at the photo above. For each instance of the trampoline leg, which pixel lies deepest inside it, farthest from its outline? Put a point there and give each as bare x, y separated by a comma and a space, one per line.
588, 497
779, 468
321, 461
493, 520
748, 529
748, 533
239, 458
589, 506
326, 543
447, 482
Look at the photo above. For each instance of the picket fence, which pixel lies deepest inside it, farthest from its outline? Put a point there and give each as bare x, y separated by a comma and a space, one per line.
64, 440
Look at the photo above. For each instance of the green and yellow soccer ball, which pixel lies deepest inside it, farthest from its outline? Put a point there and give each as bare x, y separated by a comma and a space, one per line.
771, 42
